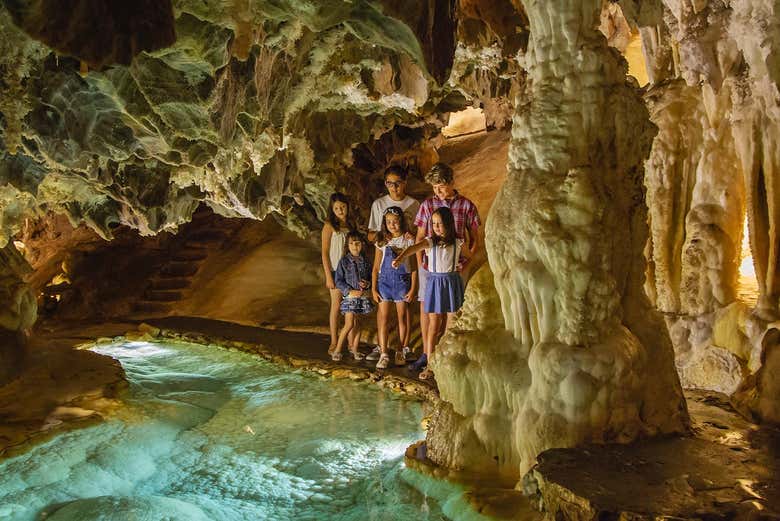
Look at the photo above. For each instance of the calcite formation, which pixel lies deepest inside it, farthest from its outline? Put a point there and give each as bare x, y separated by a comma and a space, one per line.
584, 357
715, 99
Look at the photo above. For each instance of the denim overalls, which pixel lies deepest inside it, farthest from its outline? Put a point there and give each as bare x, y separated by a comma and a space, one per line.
393, 284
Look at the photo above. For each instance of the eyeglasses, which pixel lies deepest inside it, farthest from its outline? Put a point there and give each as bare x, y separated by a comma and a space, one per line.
394, 184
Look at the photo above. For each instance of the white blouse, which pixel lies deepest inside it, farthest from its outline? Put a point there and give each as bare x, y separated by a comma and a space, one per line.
399, 244
338, 243
443, 259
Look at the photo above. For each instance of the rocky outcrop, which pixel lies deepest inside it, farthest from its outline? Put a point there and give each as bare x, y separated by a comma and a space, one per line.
727, 471
98, 32
17, 311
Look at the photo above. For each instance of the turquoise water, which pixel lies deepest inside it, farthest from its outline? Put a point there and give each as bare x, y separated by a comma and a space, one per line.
209, 433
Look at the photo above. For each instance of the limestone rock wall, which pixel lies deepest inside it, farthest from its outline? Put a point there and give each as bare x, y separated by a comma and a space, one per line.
254, 109
581, 356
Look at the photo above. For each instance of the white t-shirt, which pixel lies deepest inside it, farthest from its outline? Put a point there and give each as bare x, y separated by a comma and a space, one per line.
399, 244
408, 204
446, 258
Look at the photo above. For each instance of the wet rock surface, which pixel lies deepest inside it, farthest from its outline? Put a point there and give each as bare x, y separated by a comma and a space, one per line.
58, 388
727, 470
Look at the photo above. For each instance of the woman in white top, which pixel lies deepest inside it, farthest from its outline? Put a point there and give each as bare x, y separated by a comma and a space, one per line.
334, 238
444, 287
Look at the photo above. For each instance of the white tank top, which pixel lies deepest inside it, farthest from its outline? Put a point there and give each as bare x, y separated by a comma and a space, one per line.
337, 243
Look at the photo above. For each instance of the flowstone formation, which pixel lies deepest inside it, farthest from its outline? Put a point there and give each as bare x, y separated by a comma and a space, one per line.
580, 356
714, 70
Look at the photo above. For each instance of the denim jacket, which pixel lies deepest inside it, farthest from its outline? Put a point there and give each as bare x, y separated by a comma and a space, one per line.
350, 271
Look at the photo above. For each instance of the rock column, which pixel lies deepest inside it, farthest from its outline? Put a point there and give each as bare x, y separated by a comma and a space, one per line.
582, 358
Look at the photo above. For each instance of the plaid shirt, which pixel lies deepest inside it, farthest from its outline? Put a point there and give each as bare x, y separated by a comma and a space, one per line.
463, 211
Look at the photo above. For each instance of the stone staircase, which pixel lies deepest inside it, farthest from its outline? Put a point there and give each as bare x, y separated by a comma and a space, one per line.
174, 277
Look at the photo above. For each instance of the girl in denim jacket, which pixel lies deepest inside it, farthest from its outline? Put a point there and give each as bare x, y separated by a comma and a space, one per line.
353, 279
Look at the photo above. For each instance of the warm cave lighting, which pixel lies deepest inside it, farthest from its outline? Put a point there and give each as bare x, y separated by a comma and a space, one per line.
747, 285
636, 59
467, 121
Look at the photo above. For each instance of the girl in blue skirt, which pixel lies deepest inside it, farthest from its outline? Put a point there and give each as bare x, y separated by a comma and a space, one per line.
444, 288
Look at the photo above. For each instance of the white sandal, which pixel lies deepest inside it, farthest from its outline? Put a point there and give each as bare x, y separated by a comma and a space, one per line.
384, 361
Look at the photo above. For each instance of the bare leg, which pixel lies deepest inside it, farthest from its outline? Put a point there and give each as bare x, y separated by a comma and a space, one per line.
335, 302
352, 334
382, 319
402, 311
408, 336
435, 324
354, 337
349, 323
424, 327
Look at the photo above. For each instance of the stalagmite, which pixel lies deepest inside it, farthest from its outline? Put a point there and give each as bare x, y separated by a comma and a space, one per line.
583, 357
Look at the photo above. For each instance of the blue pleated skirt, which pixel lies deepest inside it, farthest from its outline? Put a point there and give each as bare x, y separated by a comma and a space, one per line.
443, 292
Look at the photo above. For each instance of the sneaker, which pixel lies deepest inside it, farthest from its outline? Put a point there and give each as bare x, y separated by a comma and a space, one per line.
374, 354
400, 359
409, 354
383, 362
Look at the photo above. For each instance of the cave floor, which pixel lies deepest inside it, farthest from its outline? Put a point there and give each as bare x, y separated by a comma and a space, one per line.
728, 469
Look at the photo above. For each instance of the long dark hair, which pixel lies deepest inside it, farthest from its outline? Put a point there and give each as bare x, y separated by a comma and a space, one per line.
448, 221
338, 197
384, 236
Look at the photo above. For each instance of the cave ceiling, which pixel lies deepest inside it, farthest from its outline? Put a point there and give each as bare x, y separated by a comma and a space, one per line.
133, 115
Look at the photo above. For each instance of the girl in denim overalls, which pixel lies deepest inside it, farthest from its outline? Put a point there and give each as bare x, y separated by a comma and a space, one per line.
393, 285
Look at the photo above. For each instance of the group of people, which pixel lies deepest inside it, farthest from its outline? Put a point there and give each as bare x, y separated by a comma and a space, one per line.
420, 251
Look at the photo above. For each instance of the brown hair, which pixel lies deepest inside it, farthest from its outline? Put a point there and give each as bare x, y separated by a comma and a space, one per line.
448, 220
384, 235
338, 197
396, 170
439, 174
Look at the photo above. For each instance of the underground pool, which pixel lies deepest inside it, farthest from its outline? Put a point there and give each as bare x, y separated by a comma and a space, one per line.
208, 433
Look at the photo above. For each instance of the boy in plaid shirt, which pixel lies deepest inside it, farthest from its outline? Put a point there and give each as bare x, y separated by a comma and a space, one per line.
467, 224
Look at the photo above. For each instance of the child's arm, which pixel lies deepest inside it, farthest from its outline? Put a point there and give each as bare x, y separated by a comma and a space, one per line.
341, 280
327, 233
375, 273
411, 250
